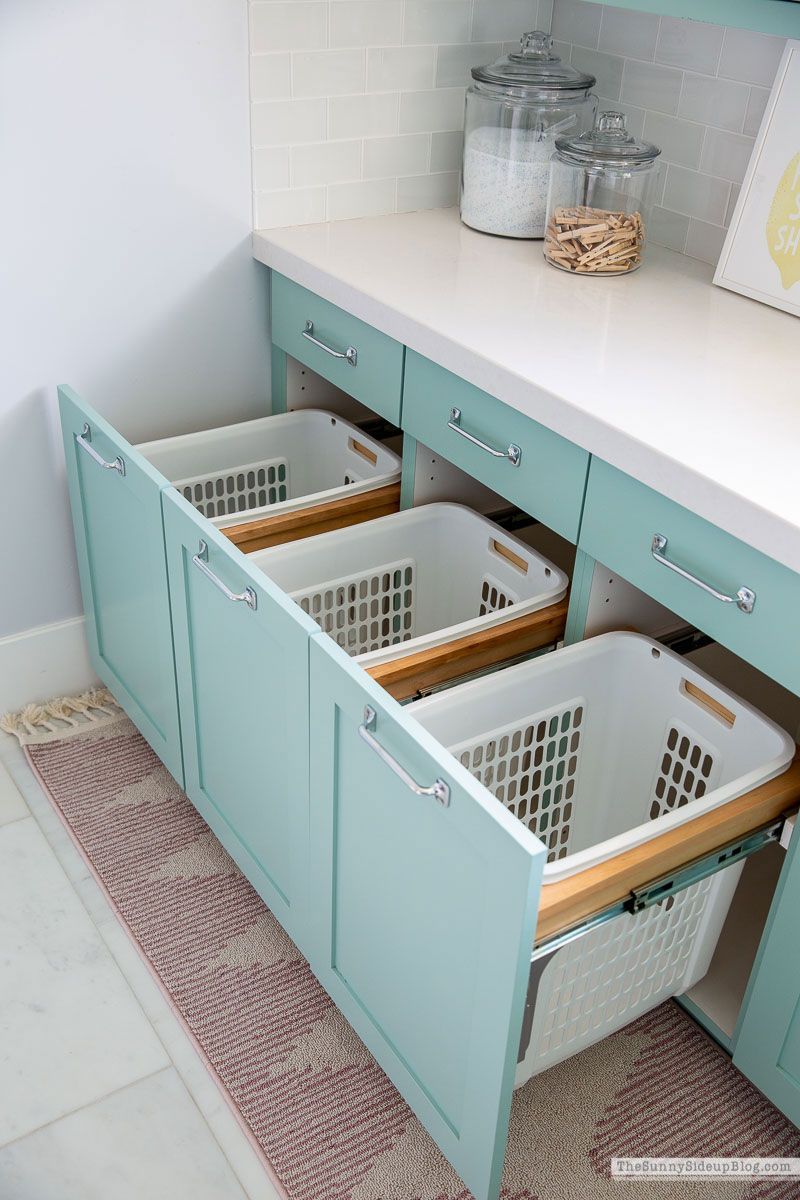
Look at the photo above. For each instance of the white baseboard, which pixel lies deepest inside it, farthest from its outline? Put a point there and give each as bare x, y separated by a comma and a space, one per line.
51, 660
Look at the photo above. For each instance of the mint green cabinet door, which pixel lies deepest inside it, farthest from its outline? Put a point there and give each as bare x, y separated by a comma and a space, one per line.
781, 17
360, 360
424, 913
510, 453
768, 1044
243, 679
119, 537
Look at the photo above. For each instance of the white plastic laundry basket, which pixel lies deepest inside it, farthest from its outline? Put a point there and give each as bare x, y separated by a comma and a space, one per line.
272, 465
598, 748
413, 579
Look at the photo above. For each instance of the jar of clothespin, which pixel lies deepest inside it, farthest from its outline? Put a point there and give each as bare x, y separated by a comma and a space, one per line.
602, 185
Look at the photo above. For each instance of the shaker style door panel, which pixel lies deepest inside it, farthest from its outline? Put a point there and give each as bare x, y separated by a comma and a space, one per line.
119, 536
424, 912
768, 1043
241, 651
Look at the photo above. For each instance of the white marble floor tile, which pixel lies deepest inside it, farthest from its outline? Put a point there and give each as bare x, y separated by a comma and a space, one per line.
71, 1030
146, 1141
12, 805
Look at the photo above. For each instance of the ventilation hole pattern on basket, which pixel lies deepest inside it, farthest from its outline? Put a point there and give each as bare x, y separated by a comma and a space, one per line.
531, 768
367, 611
256, 485
608, 976
494, 596
685, 772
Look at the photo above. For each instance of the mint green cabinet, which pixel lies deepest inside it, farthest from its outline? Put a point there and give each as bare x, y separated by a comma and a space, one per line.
768, 1042
241, 649
115, 497
349, 353
781, 17
698, 574
424, 912
544, 473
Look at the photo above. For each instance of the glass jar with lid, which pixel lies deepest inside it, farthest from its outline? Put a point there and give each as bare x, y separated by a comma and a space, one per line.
515, 109
602, 186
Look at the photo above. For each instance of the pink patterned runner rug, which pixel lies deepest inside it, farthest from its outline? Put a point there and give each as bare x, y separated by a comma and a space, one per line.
327, 1121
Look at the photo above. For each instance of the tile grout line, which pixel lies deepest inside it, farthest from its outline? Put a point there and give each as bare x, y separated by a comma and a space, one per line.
83, 1107
118, 923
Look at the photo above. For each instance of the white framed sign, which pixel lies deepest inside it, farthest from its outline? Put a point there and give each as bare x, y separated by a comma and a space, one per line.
761, 255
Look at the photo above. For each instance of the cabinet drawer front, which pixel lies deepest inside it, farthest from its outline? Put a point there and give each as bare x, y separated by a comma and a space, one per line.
424, 912
550, 477
119, 537
622, 517
243, 682
373, 372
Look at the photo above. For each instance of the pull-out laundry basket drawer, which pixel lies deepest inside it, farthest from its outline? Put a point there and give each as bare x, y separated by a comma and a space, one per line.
424, 595
283, 477
614, 751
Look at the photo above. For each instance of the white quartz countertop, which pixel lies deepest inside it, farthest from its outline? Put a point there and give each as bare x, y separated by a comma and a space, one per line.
691, 389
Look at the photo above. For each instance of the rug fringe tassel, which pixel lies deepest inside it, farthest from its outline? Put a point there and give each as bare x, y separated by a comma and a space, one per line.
61, 715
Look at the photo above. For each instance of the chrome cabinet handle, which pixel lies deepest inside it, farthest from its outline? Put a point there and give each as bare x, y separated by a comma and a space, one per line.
350, 354
439, 789
744, 599
513, 453
200, 560
84, 440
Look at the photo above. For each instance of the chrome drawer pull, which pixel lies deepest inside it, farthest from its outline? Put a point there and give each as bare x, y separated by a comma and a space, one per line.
201, 560
513, 453
439, 790
744, 599
350, 354
84, 440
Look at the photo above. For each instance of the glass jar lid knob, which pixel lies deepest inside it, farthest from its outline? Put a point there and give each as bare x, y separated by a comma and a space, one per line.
536, 44
612, 124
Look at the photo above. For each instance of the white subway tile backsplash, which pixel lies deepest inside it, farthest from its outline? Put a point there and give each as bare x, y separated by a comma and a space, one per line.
427, 191
751, 57
756, 105
453, 63
299, 206
271, 168
693, 45
367, 198
705, 241
325, 162
578, 22
726, 155
735, 190
366, 22
680, 141
696, 195
507, 21
358, 105
439, 109
270, 76
404, 154
291, 25
710, 101
400, 68
631, 34
652, 86
363, 116
287, 122
669, 229
607, 69
437, 21
446, 151
328, 72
